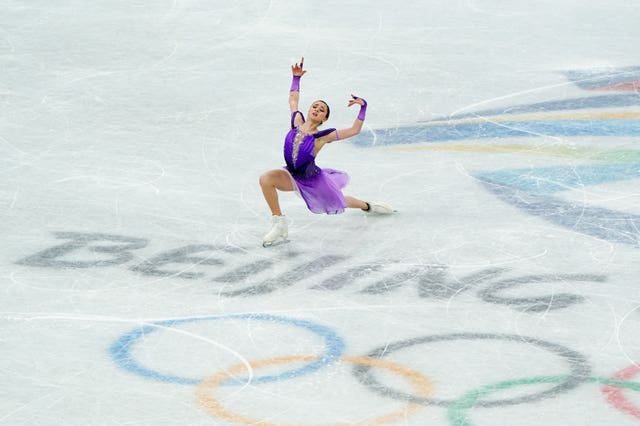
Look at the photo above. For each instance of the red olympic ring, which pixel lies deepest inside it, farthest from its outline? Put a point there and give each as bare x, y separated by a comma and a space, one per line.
616, 397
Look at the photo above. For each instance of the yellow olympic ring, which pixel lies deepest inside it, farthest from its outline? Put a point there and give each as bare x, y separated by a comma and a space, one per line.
422, 387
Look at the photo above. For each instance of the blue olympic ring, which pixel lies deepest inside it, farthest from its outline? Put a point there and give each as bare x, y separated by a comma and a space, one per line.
120, 350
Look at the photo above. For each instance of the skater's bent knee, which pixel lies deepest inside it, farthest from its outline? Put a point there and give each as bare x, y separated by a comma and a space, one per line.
266, 179
276, 178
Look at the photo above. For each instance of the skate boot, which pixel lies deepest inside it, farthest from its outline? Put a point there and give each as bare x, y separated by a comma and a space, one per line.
378, 207
278, 232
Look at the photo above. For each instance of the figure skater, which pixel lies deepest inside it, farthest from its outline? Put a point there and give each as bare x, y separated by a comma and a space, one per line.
319, 188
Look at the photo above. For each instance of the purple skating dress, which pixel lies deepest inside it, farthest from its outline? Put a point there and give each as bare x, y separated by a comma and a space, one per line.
319, 188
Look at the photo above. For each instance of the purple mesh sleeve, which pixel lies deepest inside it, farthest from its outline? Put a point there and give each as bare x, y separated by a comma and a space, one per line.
363, 109
295, 84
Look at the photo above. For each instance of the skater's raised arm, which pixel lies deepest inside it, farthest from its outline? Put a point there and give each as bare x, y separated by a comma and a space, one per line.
294, 92
357, 124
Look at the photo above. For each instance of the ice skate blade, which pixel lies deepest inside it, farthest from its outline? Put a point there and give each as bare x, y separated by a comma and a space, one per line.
266, 244
382, 214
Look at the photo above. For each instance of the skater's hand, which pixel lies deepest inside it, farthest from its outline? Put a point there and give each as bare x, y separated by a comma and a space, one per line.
363, 106
357, 101
297, 70
357, 124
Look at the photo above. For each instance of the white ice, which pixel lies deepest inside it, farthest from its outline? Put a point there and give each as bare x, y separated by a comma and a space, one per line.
132, 136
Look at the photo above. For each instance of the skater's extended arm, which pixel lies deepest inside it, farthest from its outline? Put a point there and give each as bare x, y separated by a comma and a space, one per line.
294, 92
357, 124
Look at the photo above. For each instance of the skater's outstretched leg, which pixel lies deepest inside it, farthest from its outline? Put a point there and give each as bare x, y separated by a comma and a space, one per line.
355, 203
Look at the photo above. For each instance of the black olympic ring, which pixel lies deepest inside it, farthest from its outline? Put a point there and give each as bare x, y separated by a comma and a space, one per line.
579, 368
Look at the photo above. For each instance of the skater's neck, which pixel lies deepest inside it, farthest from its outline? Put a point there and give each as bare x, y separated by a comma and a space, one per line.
309, 126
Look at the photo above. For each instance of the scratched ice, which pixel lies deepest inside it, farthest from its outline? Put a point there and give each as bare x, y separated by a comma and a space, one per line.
135, 288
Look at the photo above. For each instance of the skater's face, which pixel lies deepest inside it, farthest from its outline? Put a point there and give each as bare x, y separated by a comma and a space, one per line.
319, 111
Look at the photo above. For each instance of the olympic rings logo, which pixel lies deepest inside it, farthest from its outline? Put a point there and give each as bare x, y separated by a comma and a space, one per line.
123, 351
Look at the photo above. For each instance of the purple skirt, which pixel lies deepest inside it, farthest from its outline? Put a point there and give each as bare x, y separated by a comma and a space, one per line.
323, 191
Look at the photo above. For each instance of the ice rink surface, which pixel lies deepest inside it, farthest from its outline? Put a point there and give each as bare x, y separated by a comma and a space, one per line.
504, 291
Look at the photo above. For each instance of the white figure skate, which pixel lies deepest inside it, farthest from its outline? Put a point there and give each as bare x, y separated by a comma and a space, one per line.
378, 207
278, 233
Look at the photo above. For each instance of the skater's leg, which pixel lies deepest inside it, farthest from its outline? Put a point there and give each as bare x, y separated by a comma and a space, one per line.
354, 203
271, 182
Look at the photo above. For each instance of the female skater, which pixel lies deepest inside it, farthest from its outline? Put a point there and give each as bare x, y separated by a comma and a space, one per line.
320, 188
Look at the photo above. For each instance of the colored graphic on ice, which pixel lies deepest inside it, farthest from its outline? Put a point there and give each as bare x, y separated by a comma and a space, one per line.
530, 189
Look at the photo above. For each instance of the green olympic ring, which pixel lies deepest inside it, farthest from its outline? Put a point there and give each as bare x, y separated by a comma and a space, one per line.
457, 411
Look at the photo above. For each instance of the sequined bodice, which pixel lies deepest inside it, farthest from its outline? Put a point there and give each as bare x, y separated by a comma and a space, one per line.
297, 141
299, 153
